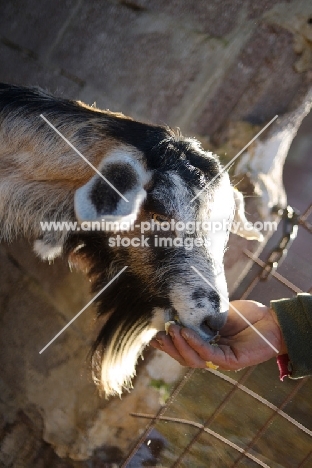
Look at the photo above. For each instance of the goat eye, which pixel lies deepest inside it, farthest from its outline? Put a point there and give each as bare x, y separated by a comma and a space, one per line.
160, 218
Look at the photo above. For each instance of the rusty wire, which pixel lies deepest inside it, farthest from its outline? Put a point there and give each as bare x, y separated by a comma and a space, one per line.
224, 402
157, 416
276, 275
304, 461
262, 400
269, 421
301, 220
203, 428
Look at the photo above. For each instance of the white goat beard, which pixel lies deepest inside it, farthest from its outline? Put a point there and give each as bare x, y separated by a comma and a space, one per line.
118, 367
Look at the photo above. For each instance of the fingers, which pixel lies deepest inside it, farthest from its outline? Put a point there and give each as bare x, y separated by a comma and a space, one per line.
239, 345
190, 350
177, 347
189, 353
164, 342
205, 352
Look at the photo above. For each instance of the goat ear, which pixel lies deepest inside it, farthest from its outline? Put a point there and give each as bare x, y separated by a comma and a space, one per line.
241, 226
97, 199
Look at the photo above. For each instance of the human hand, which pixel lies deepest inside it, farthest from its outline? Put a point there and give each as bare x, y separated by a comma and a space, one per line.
239, 345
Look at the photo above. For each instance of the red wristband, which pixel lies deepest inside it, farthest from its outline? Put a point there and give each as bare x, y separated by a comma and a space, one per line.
282, 362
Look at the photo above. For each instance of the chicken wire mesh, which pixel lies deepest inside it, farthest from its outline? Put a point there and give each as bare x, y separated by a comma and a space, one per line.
248, 418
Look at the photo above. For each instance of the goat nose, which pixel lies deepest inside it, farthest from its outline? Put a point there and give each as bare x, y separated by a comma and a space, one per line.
212, 323
209, 304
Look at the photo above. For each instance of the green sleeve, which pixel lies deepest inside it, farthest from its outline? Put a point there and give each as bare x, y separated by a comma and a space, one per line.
295, 318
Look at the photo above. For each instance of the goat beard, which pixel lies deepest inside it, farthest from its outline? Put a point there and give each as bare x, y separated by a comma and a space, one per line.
114, 363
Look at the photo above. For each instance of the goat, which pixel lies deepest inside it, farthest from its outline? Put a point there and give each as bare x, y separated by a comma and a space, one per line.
160, 173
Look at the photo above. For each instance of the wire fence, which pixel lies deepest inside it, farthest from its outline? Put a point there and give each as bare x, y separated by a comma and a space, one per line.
243, 419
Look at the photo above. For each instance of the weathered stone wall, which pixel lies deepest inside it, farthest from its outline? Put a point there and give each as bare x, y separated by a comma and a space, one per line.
205, 66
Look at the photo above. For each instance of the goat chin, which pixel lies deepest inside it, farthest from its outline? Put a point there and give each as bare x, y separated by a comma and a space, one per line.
120, 358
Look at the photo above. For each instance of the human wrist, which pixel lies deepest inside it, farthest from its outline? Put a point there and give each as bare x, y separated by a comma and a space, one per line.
282, 348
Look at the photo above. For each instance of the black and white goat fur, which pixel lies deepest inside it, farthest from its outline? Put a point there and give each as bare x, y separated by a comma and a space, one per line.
159, 172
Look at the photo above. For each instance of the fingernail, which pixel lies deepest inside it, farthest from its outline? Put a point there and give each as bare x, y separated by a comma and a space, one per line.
171, 333
159, 341
185, 334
